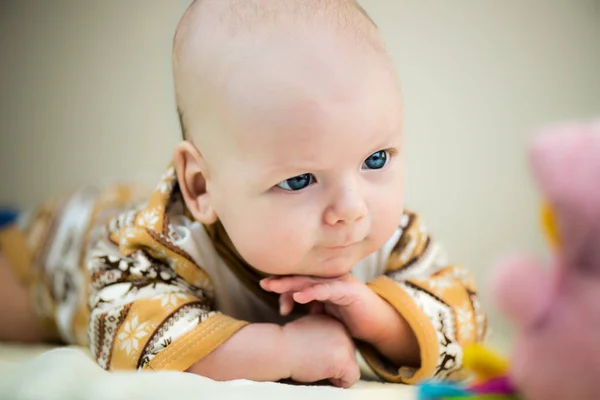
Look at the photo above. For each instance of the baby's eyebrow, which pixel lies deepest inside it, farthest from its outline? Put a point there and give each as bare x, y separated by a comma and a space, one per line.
384, 140
284, 171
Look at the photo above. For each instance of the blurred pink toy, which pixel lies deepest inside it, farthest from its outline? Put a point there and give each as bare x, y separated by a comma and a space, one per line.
556, 310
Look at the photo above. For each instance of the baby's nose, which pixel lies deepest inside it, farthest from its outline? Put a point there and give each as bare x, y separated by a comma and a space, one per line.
347, 207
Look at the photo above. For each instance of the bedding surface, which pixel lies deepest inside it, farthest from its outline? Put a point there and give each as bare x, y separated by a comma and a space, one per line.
44, 372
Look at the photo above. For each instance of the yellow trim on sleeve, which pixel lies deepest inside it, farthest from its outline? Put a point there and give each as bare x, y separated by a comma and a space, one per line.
419, 323
13, 245
136, 330
196, 344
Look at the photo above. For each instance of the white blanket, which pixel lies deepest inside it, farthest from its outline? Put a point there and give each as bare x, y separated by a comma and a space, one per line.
69, 373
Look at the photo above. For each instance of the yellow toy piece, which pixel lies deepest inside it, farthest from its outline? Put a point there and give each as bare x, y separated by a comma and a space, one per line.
484, 362
549, 226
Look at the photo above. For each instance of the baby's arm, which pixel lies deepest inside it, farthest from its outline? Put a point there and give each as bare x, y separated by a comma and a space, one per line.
311, 349
413, 320
238, 357
437, 300
145, 315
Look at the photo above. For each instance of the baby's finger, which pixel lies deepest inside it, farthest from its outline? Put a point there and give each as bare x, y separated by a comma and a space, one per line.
286, 303
347, 376
339, 293
288, 283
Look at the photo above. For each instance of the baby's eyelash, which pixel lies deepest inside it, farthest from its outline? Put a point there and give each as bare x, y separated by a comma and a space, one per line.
392, 151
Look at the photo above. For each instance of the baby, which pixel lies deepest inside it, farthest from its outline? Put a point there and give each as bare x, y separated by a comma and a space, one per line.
276, 245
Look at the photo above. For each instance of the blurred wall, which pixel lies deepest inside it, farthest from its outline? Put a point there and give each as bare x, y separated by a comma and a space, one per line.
86, 95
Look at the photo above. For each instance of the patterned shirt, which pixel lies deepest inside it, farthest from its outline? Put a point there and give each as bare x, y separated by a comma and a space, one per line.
132, 275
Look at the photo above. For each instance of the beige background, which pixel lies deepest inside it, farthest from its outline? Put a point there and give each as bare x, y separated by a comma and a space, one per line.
87, 96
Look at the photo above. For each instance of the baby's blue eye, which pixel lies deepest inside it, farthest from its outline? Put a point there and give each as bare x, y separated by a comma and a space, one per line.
376, 160
297, 183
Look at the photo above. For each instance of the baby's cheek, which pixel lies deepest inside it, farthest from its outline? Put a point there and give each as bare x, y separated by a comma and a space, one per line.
272, 247
385, 217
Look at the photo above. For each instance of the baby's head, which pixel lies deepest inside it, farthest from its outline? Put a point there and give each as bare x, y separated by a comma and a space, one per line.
292, 114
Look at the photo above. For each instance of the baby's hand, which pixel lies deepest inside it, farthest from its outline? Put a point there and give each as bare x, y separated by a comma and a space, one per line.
365, 315
321, 349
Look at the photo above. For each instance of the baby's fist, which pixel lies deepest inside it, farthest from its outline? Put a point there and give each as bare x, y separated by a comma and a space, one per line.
320, 348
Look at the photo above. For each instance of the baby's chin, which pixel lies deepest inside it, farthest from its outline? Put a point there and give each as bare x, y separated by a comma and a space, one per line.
333, 268
333, 263
321, 262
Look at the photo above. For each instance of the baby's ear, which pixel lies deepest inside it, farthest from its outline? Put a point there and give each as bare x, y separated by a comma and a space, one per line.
566, 163
191, 176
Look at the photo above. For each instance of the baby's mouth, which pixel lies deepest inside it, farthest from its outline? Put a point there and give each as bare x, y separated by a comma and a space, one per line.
342, 246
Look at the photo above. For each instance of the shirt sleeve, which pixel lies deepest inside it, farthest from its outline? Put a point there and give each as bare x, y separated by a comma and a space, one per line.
438, 300
151, 305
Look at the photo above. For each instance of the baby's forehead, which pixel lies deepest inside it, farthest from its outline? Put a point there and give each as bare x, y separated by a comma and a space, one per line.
323, 110
255, 57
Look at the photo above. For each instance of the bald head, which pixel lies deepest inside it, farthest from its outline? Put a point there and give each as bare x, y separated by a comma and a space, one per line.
216, 40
